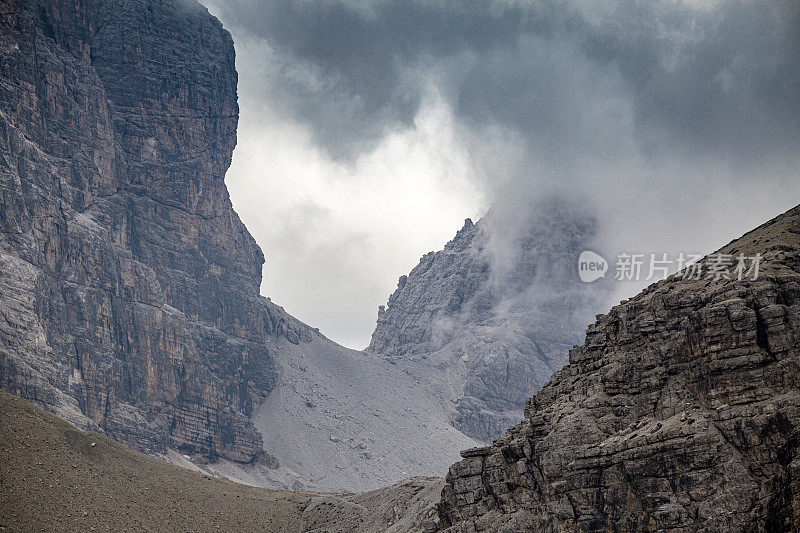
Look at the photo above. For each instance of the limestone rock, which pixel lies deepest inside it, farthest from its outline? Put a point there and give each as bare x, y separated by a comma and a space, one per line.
680, 412
495, 311
129, 288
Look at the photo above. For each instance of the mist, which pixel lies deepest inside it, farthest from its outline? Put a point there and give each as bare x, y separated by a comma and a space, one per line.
370, 129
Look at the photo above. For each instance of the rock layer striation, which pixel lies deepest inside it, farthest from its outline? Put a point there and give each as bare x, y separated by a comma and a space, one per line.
129, 288
495, 312
681, 412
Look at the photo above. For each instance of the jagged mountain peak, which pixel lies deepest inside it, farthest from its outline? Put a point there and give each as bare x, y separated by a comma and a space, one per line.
129, 287
680, 411
496, 310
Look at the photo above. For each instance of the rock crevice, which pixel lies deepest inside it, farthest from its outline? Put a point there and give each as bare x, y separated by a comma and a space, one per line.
680, 412
495, 311
129, 288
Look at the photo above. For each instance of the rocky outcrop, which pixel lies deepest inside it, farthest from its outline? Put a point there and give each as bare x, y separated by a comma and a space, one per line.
681, 412
129, 288
495, 311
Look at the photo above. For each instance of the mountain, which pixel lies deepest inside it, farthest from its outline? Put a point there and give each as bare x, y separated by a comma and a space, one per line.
58, 478
495, 313
680, 412
129, 288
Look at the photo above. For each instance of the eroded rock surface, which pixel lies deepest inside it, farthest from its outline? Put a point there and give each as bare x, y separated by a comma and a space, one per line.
679, 413
495, 312
129, 288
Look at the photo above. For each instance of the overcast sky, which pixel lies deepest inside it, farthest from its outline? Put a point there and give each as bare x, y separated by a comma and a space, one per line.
369, 130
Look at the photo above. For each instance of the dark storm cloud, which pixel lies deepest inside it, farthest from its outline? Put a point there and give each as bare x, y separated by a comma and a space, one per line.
364, 60
728, 80
723, 79
675, 124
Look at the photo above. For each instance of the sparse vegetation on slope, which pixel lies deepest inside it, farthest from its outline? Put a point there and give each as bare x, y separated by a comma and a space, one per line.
54, 477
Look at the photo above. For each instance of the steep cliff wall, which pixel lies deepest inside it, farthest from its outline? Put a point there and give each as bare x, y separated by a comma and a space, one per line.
496, 311
681, 412
129, 288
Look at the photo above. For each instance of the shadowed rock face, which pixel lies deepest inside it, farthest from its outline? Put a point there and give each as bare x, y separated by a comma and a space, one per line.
680, 412
496, 311
129, 288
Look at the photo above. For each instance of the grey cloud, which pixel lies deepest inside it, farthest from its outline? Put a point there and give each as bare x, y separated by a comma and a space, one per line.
721, 79
363, 64
725, 80
671, 123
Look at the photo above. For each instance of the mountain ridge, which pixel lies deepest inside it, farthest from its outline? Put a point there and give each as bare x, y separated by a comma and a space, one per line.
129, 287
686, 401
496, 310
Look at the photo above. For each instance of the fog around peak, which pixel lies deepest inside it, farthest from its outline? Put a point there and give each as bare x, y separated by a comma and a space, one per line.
369, 130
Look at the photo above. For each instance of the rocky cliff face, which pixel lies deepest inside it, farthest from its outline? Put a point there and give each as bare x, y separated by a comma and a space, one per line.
496, 311
129, 289
681, 412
